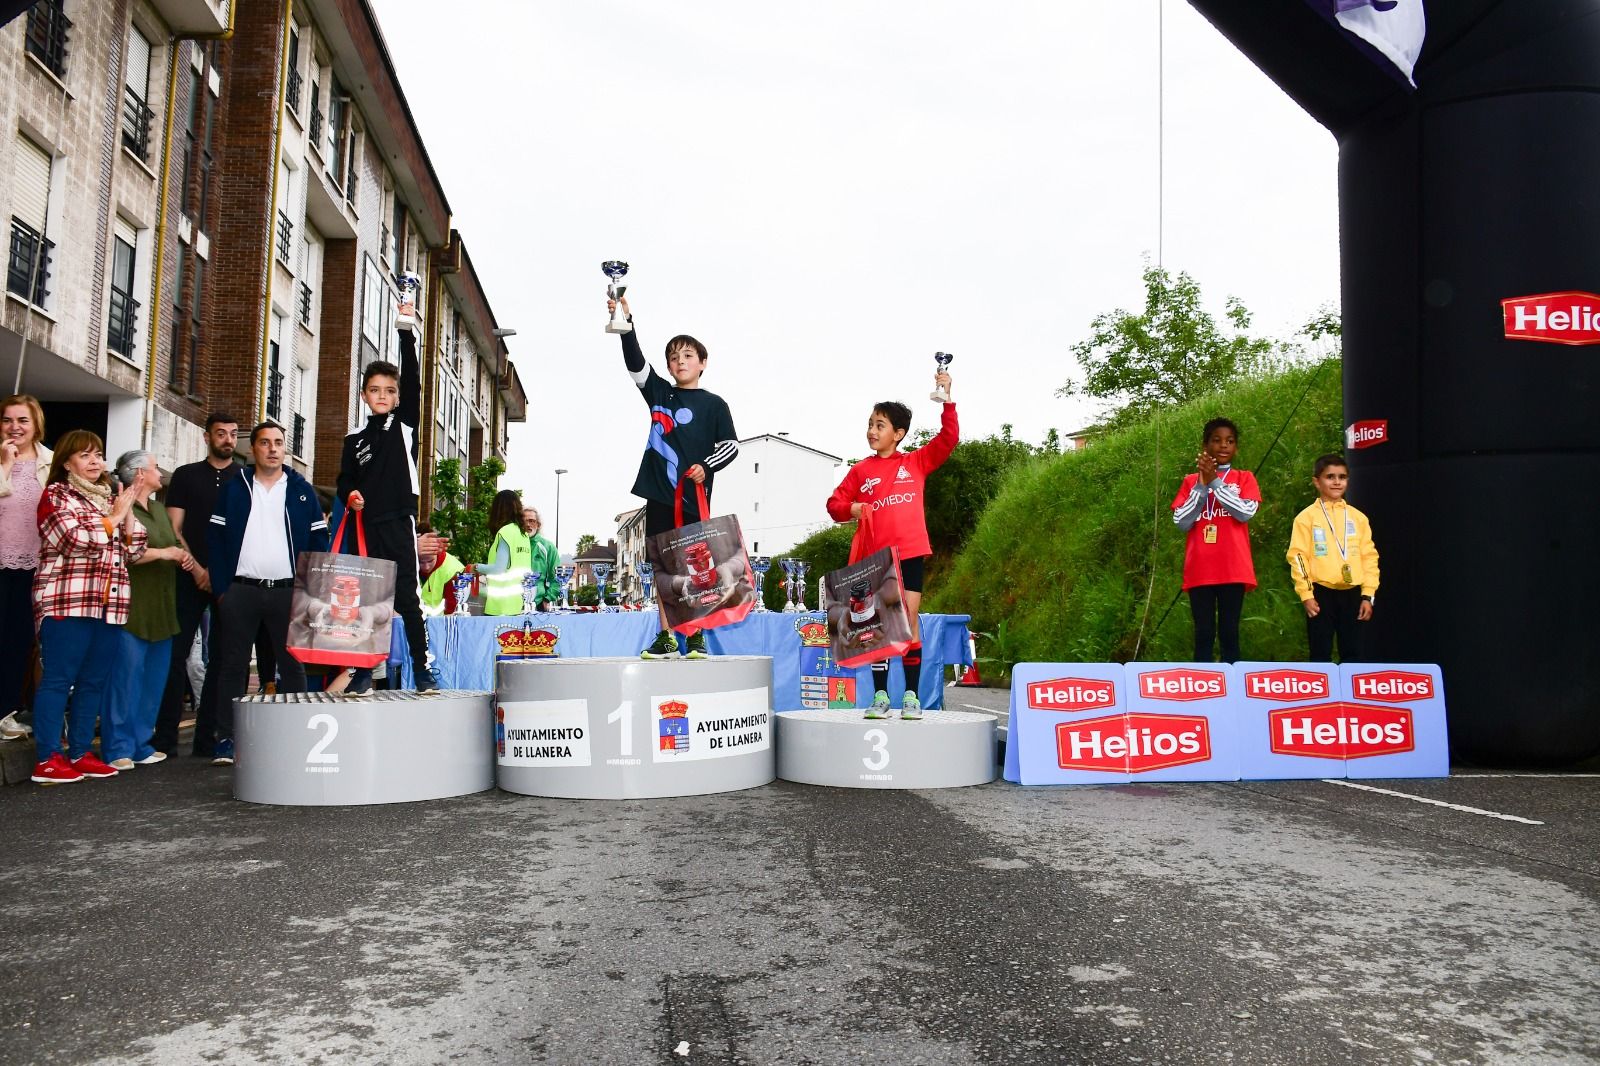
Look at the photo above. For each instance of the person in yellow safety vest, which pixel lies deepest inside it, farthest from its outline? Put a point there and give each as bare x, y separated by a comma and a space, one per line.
510, 557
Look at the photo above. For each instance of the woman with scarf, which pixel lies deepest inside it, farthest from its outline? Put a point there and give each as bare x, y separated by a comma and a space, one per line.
87, 537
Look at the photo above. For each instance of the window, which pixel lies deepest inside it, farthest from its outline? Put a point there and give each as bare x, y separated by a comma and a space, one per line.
136, 113
338, 113
315, 128
47, 35
285, 242
28, 269
187, 347
291, 90
397, 254
274, 369
122, 321
197, 143
377, 310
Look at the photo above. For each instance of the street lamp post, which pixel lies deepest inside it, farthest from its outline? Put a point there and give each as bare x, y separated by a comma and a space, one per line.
559, 472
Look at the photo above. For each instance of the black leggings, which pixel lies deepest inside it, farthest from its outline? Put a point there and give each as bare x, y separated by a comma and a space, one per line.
1216, 610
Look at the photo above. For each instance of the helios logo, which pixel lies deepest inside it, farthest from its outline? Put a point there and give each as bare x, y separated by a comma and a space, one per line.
1555, 318
1072, 694
1183, 685
1392, 686
1288, 686
1367, 433
1341, 731
1136, 742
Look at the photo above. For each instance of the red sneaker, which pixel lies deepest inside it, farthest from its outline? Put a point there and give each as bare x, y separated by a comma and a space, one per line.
55, 770
89, 765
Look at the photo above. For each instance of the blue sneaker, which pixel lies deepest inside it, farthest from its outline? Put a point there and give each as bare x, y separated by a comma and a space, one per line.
222, 753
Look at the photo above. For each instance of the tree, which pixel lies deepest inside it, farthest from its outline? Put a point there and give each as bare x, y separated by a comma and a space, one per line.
586, 542
463, 514
1171, 352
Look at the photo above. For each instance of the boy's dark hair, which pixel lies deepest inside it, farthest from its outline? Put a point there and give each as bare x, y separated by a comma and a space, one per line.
898, 414
379, 368
1325, 461
1216, 424
219, 418
683, 340
262, 427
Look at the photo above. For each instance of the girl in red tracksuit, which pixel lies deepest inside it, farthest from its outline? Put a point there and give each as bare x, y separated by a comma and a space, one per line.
885, 493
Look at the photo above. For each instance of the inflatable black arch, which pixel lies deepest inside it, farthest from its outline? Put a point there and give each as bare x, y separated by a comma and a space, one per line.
1480, 185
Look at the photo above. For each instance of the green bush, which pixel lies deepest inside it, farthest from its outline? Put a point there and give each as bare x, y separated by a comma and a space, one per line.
1063, 555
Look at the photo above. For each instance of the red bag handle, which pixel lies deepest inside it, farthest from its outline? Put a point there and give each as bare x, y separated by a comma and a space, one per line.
700, 494
858, 543
361, 532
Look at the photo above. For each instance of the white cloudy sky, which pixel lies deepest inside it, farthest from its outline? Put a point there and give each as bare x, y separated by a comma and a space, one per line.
827, 193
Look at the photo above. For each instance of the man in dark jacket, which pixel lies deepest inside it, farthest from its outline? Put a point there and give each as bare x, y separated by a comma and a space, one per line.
264, 519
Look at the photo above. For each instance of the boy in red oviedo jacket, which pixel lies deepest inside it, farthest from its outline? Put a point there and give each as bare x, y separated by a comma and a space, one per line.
1212, 507
884, 494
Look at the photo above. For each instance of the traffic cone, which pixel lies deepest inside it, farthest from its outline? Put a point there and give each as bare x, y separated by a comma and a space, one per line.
970, 679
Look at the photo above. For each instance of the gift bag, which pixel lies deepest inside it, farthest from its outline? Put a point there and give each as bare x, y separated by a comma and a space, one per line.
703, 576
867, 620
343, 604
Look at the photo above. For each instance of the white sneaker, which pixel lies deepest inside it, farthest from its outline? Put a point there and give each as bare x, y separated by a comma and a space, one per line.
153, 758
11, 729
122, 764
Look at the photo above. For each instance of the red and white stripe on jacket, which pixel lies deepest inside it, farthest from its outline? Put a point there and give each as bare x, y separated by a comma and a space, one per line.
83, 570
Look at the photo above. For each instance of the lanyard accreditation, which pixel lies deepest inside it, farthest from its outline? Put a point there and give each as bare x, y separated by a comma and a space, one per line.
1340, 542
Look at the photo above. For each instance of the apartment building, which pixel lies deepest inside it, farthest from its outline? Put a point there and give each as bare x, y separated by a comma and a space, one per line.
778, 488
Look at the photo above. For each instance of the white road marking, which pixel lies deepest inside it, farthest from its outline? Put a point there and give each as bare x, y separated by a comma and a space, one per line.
1005, 713
1526, 775
1432, 802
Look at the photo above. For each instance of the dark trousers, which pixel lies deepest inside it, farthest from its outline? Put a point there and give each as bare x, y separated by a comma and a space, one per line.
1337, 617
16, 636
396, 538
192, 605
242, 613
1216, 610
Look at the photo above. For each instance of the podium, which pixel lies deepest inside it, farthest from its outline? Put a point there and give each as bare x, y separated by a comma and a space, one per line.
313, 749
628, 728
943, 749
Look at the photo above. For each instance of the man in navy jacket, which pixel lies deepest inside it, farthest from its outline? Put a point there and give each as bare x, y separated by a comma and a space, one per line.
263, 520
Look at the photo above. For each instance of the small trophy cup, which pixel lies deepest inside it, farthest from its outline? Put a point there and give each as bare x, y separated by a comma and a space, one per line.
761, 564
601, 571
788, 585
647, 578
530, 592
616, 270
406, 316
943, 359
462, 583
563, 576
800, 569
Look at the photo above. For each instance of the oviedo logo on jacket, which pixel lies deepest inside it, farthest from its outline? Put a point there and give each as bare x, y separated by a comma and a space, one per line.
1286, 686
1138, 742
1183, 684
1342, 731
1072, 694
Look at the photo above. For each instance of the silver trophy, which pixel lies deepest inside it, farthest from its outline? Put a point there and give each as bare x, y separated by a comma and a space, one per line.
761, 564
410, 286
800, 569
647, 578
601, 571
616, 270
563, 576
462, 583
939, 395
530, 592
788, 585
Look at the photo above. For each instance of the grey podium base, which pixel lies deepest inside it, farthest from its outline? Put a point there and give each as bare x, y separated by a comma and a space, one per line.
633, 729
312, 749
944, 749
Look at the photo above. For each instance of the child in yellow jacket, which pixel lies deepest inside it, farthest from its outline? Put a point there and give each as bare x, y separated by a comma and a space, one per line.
1334, 565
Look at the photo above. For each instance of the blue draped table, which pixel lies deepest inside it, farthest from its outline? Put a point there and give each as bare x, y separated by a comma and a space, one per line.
464, 648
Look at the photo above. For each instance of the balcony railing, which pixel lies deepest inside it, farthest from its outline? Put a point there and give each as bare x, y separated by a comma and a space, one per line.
28, 270
316, 125
291, 92
136, 119
285, 237
47, 35
304, 305
275, 394
123, 320
384, 241
350, 183
297, 438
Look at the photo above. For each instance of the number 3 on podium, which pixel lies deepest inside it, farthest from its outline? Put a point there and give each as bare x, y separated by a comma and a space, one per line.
880, 750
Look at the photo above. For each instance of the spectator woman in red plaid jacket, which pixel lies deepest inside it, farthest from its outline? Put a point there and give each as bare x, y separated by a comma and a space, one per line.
87, 535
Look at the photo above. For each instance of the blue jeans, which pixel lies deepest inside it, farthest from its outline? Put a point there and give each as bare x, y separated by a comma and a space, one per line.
133, 696
77, 654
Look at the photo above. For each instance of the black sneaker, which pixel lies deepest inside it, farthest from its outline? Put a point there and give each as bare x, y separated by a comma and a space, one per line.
360, 684
426, 682
697, 647
664, 647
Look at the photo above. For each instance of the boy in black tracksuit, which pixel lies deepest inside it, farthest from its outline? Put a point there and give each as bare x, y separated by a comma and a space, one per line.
691, 438
378, 477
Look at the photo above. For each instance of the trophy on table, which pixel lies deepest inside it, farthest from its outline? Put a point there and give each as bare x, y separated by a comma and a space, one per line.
601, 571
788, 585
564, 575
939, 395
530, 592
616, 270
800, 569
462, 583
647, 577
761, 564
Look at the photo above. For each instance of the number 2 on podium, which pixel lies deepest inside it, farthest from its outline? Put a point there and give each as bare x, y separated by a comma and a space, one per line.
319, 751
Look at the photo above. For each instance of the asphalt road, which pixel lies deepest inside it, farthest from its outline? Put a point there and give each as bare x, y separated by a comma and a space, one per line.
153, 919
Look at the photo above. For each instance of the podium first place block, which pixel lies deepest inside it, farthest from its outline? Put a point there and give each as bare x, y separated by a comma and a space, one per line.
633, 729
312, 749
943, 749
